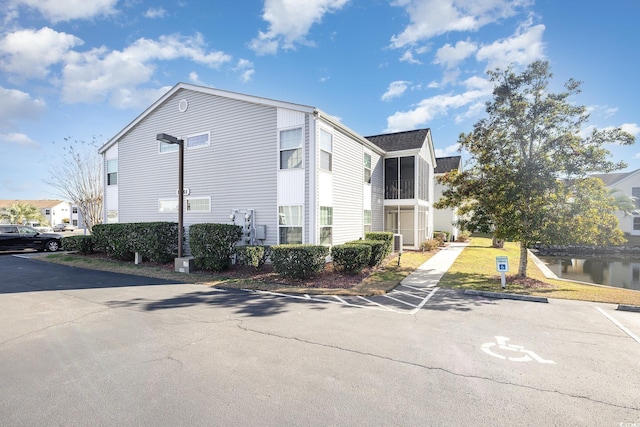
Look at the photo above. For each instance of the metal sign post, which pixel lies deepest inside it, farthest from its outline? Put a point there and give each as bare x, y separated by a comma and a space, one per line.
502, 266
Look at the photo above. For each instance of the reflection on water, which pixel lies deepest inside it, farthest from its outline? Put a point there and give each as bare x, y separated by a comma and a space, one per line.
619, 273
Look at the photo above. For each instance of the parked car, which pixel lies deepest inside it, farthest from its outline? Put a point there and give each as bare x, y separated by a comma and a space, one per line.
64, 227
13, 237
40, 227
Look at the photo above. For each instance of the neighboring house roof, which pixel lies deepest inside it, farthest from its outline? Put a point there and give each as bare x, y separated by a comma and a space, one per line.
610, 179
40, 204
408, 140
236, 96
447, 164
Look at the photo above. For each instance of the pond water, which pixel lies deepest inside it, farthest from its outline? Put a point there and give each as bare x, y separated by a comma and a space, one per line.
618, 273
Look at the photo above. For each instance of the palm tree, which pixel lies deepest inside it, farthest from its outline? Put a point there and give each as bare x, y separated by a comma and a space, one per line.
21, 212
623, 203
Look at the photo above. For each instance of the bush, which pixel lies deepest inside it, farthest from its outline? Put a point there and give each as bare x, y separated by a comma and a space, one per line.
385, 236
298, 261
81, 244
462, 237
212, 245
350, 258
378, 250
254, 256
155, 241
429, 245
441, 236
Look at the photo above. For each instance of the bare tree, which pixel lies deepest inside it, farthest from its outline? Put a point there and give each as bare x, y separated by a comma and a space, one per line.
78, 177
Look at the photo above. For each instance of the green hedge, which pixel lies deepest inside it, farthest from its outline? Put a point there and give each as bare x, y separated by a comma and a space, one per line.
351, 258
385, 236
254, 256
155, 241
298, 261
82, 244
212, 245
378, 250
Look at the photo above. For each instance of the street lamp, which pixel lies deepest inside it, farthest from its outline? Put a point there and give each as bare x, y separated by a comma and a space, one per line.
163, 137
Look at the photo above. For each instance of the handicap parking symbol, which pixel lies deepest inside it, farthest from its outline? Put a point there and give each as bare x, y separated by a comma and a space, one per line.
514, 353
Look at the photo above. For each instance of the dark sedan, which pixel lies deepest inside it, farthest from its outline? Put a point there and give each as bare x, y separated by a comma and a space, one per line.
14, 237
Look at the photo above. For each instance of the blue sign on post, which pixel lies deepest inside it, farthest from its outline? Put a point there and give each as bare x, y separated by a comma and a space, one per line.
502, 265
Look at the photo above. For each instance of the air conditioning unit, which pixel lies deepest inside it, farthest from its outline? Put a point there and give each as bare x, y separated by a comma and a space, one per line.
397, 243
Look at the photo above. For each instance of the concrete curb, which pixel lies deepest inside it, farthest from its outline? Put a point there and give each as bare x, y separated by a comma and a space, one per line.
634, 308
506, 296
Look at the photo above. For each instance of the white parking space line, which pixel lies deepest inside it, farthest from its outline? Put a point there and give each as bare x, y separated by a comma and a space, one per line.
378, 304
399, 300
407, 293
619, 325
424, 301
428, 289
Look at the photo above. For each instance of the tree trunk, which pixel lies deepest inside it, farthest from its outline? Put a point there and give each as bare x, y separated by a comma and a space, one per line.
497, 243
522, 267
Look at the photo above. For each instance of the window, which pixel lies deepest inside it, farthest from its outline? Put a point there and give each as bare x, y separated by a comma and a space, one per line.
635, 195
197, 141
167, 148
47, 211
367, 168
636, 223
112, 172
326, 225
326, 150
366, 221
291, 149
75, 209
290, 224
191, 204
399, 178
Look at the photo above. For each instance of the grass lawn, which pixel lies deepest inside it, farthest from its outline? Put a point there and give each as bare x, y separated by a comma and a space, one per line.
475, 268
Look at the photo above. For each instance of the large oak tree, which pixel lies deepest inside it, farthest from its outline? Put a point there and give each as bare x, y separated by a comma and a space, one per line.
528, 177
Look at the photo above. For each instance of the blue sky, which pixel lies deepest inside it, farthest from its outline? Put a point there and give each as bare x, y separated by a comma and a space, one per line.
85, 69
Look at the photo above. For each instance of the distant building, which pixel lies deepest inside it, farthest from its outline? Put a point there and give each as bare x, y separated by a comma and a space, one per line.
53, 211
444, 219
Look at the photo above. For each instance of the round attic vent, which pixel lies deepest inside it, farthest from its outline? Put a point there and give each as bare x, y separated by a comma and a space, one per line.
183, 105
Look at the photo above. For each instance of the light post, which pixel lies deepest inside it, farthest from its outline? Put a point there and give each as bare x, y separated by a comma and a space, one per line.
163, 137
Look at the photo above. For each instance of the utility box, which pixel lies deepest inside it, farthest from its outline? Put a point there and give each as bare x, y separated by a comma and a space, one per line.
184, 265
397, 243
261, 232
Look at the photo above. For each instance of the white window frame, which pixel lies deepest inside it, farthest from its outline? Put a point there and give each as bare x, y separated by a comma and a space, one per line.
189, 140
298, 147
326, 149
366, 168
328, 225
299, 217
188, 200
366, 222
110, 171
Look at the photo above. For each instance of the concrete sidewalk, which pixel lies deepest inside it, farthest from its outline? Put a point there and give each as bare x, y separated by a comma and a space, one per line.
429, 274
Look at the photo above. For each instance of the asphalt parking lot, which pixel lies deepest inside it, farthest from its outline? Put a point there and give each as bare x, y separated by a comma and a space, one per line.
87, 348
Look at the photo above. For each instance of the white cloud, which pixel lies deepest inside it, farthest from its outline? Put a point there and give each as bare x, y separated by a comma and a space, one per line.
245, 67
524, 47
29, 53
429, 18
100, 74
67, 10
439, 105
408, 57
395, 90
17, 105
290, 22
451, 150
155, 12
195, 79
18, 139
632, 128
451, 56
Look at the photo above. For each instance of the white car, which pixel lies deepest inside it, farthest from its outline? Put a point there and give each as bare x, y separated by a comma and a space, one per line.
64, 227
40, 227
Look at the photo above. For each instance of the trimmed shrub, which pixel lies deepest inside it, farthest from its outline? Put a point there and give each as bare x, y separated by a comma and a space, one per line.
155, 241
379, 250
81, 244
212, 245
462, 237
298, 261
385, 236
441, 236
351, 258
254, 256
429, 245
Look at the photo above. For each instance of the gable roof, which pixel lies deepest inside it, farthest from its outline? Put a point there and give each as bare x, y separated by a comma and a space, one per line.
407, 140
446, 164
610, 179
40, 204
